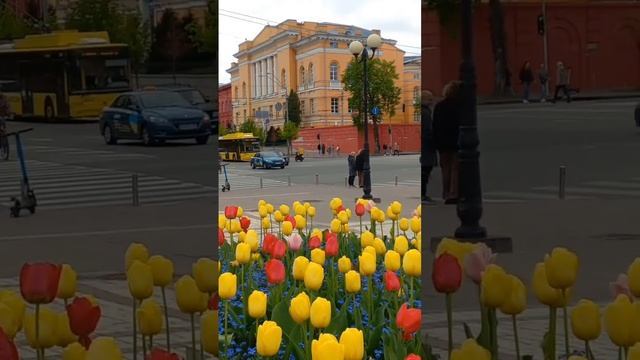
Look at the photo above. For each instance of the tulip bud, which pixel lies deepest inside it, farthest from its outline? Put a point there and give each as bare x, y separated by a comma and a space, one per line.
262, 202
318, 256
412, 263
227, 284
366, 239
352, 282
327, 348
344, 264
371, 250
287, 228
222, 221
162, 270
516, 301
313, 276
543, 291
585, 320
415, 224
300, 267
204, 272
243, 253
104, 348
150, 318
48, 322
135, 252
268, 339
301, 222
335, 226
561, 268
270, 208
396, 207
380, 247
401, 245
209, 332
240, 212
300, 210
494, 287
277, 215
262, 211
403, 224
621, 319
320, 313
300, 308
392, 260
311, 211
353, 341
140, 279
189, 297
343, 217
257, 304
67, 283
335, 203
367, 264
446, 275
391, 281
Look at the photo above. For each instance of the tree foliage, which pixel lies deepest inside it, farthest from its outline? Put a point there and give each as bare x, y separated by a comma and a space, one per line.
289, 133
11, 26
97, 15
293, 108
250, 126
171, 40
206, 36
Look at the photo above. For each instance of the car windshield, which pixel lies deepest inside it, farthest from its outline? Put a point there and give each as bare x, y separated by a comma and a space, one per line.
269, 154
193, 96
162, 99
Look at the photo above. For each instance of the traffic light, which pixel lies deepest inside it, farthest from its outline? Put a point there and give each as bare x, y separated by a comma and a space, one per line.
541, 25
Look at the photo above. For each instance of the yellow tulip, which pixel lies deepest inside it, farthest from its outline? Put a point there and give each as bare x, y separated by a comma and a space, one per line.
301, 222
318, 256
262, 202
300, 267
8, 321
622, 320
240, 212
227, 286
458, 249
316, 232
561, 268
633, 273
269, 338
74, 351
278, 216
353, 341
270, 208
235, 226
150, 318
392, 260
320, 313
257, 304
252, 240
344, 264
306, 205
209, 332
391, 215
379, 215
380, 247
47, 336
367, 263
284, 210
366, 239
189, 298
396, 207
135, 252
140, 280
335, 226
495, 286
415, 224
403, 224
352, 282
543, 291
222, 221
335, 203
301, 210
311, 211
343, 217
634, 352
470, 350
313, 276
255, 257
266, 223
585, 320
243, 253
327, 347
417, 242
104, 348
412, 263
516, 301
419, 210
64, 336
287, 228
67, 283
262, 211
371, 250
401, 245
162, 270
241, 236
205, 274
300, 308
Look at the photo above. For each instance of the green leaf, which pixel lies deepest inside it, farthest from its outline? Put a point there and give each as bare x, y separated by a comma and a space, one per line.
290, 329
467, 331
339, 322
373, 341
547, 346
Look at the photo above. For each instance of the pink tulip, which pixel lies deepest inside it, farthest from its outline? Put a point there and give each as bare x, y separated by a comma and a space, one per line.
477, 261
294, 241
621, 287
369, 205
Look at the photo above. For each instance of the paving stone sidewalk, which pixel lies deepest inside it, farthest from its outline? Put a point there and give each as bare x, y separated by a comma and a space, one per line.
113, 297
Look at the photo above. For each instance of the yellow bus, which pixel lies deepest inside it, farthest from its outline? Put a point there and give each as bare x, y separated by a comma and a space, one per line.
64, 74
238, 146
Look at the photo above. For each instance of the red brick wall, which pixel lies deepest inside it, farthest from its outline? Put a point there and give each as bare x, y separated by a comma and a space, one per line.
600, 42
348, 138
225, 110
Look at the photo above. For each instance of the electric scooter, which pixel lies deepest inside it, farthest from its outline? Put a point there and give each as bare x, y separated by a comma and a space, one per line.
27, 198
226, 186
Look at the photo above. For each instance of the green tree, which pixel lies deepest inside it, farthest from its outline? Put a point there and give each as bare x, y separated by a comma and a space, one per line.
250, 126
206, 36
138, 37
98, 15
12, 26
171, 40
293, 108
383, 92
289, 133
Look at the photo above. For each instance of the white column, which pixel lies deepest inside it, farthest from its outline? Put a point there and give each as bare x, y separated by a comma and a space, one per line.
270, 75
274, 82
260, 76
264, 76
255, 80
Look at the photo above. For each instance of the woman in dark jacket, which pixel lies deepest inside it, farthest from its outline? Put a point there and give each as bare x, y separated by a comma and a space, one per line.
360, 167
526, 78
446, 120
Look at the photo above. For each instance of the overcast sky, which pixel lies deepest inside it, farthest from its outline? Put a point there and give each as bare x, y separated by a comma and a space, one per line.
243, 19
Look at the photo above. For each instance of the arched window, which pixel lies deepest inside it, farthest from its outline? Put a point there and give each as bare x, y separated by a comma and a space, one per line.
333, 71
244, 90
283, 78
302, 76
310, 75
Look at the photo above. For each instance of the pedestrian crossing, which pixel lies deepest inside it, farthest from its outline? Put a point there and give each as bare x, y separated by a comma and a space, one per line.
61, 186
80, 154
247, 179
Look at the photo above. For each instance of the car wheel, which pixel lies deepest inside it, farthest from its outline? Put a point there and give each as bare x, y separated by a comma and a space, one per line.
253, 165
109, 136
202, 140
147, 140
282, 167
267, 166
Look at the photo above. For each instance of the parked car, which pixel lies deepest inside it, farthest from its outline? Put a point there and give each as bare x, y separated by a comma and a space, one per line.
285, 157
153, 116
267, 160
195, 98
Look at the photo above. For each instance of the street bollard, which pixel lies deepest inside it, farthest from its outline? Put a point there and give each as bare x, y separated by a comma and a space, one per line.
396, 180
317, 180
260, 182
289, 180
563, 181
134, 190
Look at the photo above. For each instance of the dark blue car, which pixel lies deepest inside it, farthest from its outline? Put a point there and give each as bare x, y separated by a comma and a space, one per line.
153, 117
267, 160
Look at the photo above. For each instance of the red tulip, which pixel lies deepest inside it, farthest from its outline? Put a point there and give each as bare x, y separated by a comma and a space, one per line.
230, 212
360, 209
408, 320
331, 248
391, 281
339, 208
314, 242
268, 243
279, 249
275, 271
291, 219
447, 274
413, 357
213, 303
39, 282
8, 350
245, 223
160, 354
83, 319
221, 238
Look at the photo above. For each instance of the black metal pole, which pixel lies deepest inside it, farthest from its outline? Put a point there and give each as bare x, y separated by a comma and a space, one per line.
366, 167
469, 207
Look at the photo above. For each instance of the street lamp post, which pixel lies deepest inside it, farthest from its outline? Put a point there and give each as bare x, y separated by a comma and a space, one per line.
361, 53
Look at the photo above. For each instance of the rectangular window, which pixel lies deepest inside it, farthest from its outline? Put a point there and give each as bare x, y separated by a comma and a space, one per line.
333, 44
335, 105
312, 105
333, 72
416, 75
245, 114
302, 107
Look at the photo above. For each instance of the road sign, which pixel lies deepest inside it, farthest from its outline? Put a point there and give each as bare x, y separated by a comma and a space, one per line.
278, 106
375, 111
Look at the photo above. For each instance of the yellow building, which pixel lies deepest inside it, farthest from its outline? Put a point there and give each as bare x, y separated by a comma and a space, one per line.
310, 58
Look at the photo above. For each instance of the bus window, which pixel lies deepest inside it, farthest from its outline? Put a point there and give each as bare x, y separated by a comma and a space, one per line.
100, 73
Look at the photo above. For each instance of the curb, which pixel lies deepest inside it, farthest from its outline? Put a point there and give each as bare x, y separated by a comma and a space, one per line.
579, 98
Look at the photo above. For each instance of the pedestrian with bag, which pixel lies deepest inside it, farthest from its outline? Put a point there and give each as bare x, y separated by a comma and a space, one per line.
446, 122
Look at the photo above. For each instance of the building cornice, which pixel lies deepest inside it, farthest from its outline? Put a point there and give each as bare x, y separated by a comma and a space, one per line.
334, 37
265, 44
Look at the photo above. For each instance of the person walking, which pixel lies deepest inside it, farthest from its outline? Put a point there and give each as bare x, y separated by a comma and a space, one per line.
351, 161
543, 78
323, 149
359, 166
446, 122
396, 149
526, 78
428, 157
562, 82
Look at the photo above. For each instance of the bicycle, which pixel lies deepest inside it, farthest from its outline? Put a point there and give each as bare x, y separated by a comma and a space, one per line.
4, 140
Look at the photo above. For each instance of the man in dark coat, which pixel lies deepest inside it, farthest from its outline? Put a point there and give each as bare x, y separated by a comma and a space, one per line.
428, 157
446, 124
351, 161
360, 167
